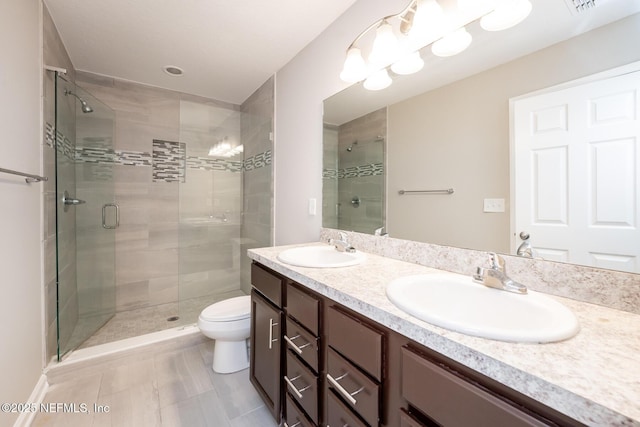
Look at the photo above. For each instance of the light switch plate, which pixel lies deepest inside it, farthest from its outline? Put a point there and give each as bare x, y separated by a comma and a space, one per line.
494, 205
312, 207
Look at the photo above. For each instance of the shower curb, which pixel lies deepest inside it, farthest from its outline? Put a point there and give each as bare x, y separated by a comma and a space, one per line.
115, 353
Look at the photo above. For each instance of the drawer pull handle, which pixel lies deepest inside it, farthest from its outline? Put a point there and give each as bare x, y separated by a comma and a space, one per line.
342, 391
271, 339
298, 349
293, 387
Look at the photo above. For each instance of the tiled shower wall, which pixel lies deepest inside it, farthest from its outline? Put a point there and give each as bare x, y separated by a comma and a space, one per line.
330, 207
359, 173
257, 137
157, 175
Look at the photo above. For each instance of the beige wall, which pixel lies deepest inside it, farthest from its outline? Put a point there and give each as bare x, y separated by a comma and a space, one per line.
21, 334
458, 136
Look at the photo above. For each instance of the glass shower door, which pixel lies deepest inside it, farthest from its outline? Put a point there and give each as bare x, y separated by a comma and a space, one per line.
86, 215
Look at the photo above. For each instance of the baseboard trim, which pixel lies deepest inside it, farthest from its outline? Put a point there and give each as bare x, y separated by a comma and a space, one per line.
37, 396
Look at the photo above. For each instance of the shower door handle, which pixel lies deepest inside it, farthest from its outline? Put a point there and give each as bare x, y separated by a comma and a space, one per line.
104, 216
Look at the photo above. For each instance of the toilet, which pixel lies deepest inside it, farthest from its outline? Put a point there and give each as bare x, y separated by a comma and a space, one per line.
228, 322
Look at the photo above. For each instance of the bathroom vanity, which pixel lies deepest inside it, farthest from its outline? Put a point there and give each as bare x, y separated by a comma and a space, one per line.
329, 349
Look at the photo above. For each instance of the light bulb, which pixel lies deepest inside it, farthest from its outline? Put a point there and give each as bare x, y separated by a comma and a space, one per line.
429, 22
355, 68
385, 45
507, 14
452, 44
378, 80
409, 64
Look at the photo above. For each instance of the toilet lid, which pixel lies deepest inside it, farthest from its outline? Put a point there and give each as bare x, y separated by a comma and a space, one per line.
227, 310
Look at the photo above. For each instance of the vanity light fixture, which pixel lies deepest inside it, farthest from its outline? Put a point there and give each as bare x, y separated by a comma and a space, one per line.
399, 38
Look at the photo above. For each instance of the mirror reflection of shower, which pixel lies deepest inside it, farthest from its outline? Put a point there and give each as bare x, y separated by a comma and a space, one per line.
224, 147
379, 138
86, 108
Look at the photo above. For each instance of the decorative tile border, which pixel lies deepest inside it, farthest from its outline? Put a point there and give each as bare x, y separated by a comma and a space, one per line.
329, 173
133, 158
95, 155
258, 161
63, 143
169, 161
167, 157
213, 164
372, 169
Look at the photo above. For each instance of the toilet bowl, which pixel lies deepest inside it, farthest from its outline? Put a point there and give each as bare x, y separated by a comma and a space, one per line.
228, 322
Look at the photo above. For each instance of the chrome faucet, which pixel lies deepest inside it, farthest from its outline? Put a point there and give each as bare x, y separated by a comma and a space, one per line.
341, 244
496, 277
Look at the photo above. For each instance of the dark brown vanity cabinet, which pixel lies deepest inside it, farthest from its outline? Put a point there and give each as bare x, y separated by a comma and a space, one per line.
333, 367
302, 360
266, 344
354, 366
441, 395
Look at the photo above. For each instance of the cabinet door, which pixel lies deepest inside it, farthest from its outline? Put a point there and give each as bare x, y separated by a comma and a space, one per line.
266, 351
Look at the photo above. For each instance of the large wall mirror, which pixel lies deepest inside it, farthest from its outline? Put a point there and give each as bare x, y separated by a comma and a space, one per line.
449, 127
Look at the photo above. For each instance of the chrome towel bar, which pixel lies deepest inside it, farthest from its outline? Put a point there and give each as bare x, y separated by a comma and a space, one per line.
447, 191
29, 177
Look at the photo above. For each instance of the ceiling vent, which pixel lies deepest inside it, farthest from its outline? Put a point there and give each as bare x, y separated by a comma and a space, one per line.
580, 6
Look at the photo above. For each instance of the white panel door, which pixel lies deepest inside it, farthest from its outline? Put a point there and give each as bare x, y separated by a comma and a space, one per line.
577, 173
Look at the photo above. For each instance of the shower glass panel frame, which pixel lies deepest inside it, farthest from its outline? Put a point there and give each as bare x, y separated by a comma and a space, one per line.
86, 214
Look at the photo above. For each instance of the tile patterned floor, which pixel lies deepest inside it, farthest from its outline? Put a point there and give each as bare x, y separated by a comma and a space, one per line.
143, 321
170, 389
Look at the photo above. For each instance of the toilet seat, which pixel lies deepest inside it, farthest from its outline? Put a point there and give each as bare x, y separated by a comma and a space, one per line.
228, 310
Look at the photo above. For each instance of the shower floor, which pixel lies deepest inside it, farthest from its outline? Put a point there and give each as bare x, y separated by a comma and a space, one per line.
133, 323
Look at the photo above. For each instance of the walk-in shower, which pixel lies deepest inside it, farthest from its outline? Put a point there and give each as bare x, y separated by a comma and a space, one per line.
155, 224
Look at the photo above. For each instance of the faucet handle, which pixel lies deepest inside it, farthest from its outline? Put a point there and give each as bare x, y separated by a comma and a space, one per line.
380, 232
343, 236
497, 262
479, 276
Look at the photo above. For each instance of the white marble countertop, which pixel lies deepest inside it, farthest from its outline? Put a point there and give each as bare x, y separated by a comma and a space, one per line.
593, 377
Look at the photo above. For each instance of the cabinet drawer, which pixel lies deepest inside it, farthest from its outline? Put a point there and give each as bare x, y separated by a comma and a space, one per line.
358, 391
294, 415
302, 343
269, 285
339, 415
355, 341
441, 395
407, 420
303, 307
302, 385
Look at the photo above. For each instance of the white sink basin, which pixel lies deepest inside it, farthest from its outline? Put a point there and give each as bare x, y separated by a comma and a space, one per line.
455, 302
320, 257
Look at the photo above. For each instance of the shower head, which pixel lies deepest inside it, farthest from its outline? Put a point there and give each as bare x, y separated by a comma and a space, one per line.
86, 108
350, 148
